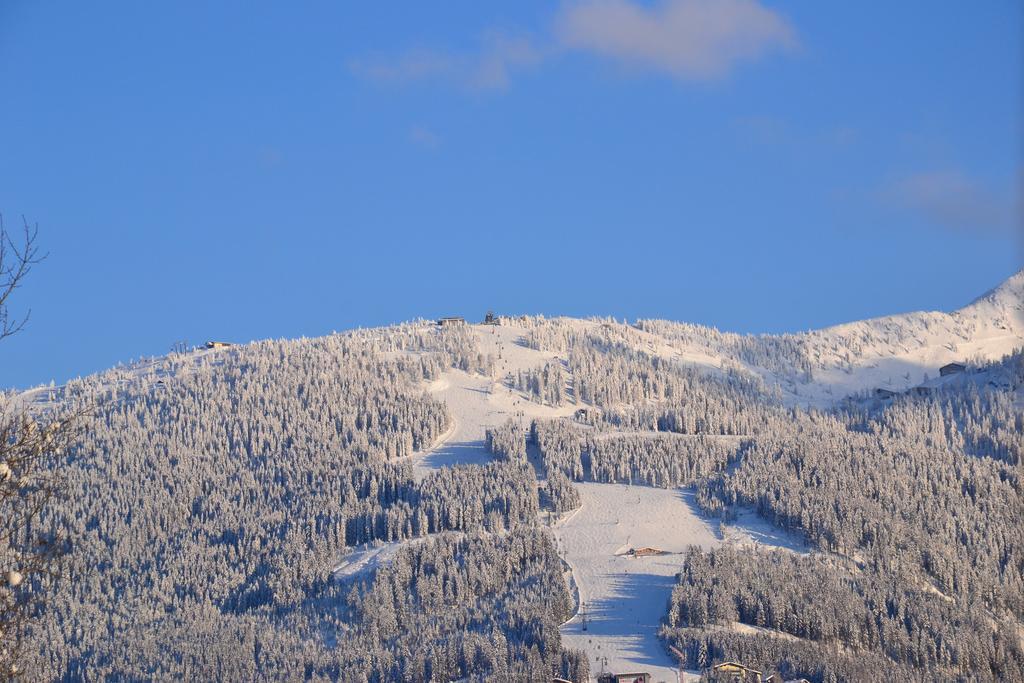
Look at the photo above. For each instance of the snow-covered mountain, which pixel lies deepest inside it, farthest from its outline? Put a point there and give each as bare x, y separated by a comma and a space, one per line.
369, 504
893, 352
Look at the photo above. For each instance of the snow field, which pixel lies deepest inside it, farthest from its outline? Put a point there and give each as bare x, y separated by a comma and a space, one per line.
623, 598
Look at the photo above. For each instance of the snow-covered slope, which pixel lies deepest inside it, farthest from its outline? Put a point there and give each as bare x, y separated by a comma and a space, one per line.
622, 597
894, 352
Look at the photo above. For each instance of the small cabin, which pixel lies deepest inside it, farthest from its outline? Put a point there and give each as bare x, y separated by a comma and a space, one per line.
921, 391
451, 320
951, 369
884, 394
734, 671
636, 677
217, 344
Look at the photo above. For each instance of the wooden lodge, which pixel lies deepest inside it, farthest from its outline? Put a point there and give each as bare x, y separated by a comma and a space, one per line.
884, 394
636, 677
952, 369
734, 672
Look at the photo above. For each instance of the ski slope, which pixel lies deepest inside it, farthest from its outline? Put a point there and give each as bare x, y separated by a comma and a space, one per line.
476, 402
622, 598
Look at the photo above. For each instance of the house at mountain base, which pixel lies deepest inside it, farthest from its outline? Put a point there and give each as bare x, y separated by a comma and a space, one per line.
734, 672
638, 677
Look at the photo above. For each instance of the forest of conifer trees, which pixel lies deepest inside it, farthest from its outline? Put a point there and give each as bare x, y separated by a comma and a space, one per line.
210, 496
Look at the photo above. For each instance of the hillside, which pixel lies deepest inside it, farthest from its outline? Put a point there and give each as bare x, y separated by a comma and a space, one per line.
515, 501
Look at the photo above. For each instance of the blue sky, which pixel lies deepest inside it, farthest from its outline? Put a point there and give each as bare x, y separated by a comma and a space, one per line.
242, 170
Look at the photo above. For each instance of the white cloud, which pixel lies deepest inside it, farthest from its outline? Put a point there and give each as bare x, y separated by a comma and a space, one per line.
688, 39
950, 199
488, 69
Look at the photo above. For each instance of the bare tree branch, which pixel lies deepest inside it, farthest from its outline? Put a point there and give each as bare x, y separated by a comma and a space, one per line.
17, 256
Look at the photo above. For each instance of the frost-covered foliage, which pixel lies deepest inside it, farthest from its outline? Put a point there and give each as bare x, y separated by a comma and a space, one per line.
507, 441
1010, 368
929, 516
906, 492
478, 608
661, 460
654, 459
560, 494
212, 493
550, 335
29, 553
790, 657
638, 390
826, 603
786, 354
545, 385
607, 375
495, 497
454, 345
923, 498
562, 448
976, 420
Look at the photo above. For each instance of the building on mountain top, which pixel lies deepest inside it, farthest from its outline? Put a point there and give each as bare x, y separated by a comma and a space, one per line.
217, 344
951, 369
451, 320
